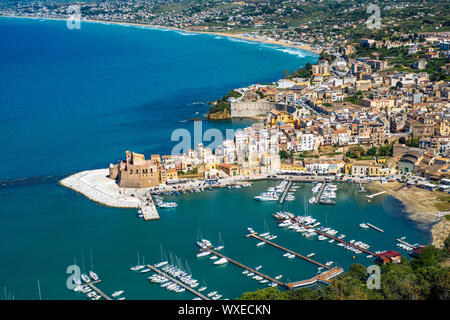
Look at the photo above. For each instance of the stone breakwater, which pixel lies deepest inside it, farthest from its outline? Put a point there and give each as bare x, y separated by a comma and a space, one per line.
95, 185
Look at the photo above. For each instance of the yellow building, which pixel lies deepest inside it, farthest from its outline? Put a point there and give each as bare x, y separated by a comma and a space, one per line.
292, 167
280, 116
171, 174
230, 169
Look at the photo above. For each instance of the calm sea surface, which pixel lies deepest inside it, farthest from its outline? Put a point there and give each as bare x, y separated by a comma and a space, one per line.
76, 99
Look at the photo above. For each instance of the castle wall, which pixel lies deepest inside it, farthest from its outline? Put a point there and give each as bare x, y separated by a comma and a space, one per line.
250, 108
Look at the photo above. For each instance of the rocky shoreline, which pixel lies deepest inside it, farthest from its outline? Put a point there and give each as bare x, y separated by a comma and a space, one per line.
422, 206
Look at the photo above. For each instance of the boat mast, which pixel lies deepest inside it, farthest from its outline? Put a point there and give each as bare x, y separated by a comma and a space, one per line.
92, 264
39, 290
137, 253
82, 262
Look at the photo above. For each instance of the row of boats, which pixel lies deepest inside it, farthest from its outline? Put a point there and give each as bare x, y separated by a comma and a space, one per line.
309, 227
259, 278
274, 193
327, 196
83, 287
182, 276
160, 203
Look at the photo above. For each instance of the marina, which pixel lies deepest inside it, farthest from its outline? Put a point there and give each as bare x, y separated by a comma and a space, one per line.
287, 250
254, 271
178, 282
324, 234
285, 191
93, 286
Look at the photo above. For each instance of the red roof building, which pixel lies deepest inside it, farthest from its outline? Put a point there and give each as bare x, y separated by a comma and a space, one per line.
388, 256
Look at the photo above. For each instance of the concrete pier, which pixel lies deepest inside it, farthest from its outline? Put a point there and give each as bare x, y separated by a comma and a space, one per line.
100, 292
95, 185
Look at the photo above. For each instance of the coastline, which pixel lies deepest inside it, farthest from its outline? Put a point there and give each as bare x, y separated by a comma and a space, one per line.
421, 206
239, 36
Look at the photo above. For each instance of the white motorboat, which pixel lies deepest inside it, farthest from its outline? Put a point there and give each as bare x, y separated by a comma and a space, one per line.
221, 261
203, 254
93, 275
116, 293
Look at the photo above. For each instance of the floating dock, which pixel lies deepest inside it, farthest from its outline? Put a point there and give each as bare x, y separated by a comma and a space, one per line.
287, 250
375, 194
406, 243
178, 282
285, 191
247, 268
376, 228
332, 237
324, 277
319, 194
100, 292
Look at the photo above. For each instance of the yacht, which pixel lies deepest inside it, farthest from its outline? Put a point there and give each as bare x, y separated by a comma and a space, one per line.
116, 293
363, 225
202, 289
203, 254
279, 277
221, 261
259, 244
329, 263
85, 278
161, 264
213, 257
213, 293
258, 267
310, 255
93, 275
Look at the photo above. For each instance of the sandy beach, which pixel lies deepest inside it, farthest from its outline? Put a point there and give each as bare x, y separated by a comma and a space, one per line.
422, 206
240, 36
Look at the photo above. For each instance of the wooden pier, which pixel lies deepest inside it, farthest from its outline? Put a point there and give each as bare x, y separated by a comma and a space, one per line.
406, 243
100, 292
319, 194
247, 268
323, 277
178, 282
288, 250
285, 191
332, 237
375, 194
375, 228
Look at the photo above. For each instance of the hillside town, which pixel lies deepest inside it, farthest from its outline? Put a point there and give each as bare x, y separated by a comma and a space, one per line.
320, 25
354, 117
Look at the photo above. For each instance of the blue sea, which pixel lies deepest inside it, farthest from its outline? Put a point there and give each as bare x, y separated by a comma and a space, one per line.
72, 100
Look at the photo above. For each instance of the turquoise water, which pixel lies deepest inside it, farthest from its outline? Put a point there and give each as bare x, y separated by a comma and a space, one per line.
74, 100
43, 242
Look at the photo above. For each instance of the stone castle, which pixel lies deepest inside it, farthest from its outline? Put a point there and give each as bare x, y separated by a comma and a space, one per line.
137, 172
